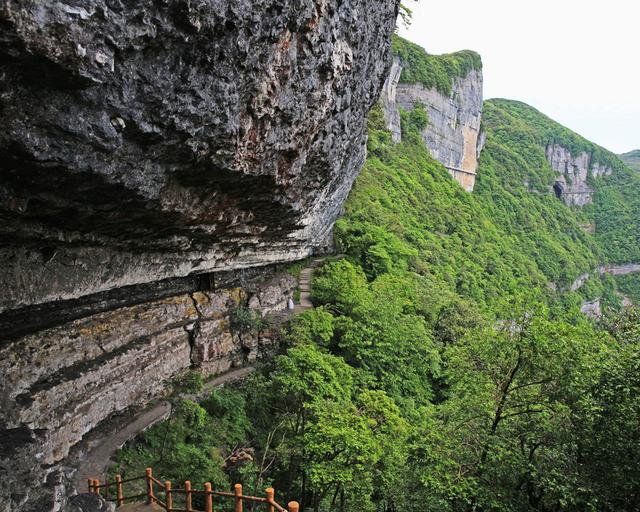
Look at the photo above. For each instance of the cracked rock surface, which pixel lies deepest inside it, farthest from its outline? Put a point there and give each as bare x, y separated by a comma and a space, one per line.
148, 140
60, 383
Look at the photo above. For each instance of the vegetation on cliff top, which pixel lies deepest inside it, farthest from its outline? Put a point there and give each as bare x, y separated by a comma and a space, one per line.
433, 71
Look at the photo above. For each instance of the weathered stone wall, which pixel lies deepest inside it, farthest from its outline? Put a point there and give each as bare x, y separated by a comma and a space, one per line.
152, 153
572, 185
390, 101
61, 382
148, 140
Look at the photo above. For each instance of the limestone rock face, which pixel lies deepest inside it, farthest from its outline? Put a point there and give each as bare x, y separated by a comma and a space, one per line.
453, 133
158, 159
592, 309
571, 186
149, 140
390, 101
61, 382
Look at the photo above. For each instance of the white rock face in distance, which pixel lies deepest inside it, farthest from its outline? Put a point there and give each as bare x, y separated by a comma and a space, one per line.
453, 132
571, 186
389, 100
593, 309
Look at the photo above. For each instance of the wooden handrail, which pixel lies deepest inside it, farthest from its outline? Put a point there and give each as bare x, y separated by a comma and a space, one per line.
170, 492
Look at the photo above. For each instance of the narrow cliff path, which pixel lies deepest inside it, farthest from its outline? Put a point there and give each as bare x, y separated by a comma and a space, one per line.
621, 269
97, 457
304, 283
140, 507
99, 448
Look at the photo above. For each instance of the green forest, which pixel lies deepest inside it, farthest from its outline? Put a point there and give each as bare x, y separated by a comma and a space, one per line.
446, 366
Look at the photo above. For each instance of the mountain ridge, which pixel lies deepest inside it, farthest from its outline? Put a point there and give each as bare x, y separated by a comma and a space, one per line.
632, 159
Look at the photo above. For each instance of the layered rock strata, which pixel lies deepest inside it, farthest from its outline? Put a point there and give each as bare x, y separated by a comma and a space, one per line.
61, 382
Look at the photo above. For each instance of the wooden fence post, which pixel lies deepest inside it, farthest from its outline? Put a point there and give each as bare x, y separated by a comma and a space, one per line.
119, 494
270, 499
293, 506
238, 491
187, 495
208, 498
96, 485
168, 496
149, 474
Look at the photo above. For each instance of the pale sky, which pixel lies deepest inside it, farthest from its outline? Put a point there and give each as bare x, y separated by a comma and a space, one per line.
576, 61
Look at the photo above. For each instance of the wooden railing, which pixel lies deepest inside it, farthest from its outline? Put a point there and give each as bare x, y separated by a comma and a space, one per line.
184, 495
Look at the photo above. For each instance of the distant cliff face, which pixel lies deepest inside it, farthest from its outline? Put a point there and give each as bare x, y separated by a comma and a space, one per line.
390, 101
148, 140
453, 132
572, 185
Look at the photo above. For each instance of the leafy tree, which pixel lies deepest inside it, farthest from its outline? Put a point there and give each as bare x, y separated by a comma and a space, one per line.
609, 440
314, 326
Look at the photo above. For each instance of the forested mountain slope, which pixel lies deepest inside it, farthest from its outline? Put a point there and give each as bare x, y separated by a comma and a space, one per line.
446, 366
405, 213
522, 132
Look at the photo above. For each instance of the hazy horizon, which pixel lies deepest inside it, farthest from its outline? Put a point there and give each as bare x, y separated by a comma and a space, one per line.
573, 60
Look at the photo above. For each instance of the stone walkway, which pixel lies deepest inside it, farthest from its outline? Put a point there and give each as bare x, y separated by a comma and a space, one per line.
304, 283
140, 507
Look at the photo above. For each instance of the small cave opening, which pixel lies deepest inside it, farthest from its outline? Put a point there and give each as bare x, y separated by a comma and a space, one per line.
558, 189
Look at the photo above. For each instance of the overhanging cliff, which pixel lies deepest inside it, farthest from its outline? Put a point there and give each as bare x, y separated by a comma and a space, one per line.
147, 140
